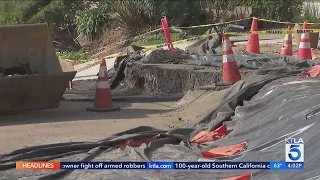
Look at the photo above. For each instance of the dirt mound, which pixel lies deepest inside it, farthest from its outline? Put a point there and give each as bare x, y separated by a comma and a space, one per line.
192, 106
174, 78
65, 41
105, 43
165, 56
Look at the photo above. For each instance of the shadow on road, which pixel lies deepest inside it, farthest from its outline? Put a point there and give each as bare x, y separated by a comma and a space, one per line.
76, 111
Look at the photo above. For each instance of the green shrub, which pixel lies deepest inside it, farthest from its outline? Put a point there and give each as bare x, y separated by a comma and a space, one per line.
136, 17
279, 10
80, 55
158, 39
311, 12
9, 13
90, 22
58, 13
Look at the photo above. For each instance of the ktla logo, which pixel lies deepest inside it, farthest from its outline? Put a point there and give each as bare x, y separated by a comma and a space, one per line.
294, 150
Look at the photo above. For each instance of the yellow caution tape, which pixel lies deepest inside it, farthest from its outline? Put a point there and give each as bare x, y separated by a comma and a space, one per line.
216, 24
134, 38
227, 33
214, 34
287, 31
163, 45
69, 60
156, 30
284, 22
190, 27
117, 55
267, 20
275, 32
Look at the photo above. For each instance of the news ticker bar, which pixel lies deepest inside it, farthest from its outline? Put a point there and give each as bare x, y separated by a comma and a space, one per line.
160, 165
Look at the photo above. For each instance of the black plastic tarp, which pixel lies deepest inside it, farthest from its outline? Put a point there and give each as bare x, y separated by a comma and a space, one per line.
263, 110
249, 60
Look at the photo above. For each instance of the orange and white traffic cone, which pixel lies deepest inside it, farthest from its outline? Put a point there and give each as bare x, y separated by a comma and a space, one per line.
103, 99
234, 47
304, 50
287, 44
253, 41
69, 86
230, 70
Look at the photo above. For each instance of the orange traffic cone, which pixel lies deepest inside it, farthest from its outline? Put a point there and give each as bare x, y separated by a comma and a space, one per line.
230, 70
287, 44
304, 50
103, 99
253, 41
69, 86
234, 47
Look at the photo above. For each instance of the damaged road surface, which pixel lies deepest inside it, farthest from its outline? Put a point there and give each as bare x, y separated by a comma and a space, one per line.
258, 113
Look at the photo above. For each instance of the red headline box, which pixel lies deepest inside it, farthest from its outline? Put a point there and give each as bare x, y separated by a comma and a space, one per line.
39, 165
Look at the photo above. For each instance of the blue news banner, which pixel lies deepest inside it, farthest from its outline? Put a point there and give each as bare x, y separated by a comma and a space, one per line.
183, 165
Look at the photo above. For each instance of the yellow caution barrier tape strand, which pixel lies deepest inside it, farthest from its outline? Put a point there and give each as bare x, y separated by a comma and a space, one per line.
134, 38
95, 59
159, 29
216, 24
137, 37
214, 34
275, 32
284, 22
164, 44
190, 27
156, 30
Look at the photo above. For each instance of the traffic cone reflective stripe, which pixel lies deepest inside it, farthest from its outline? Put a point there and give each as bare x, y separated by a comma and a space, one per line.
103, 74
304, 50
253, 41
304, 45
69, 86
227, 49
103, 78
103, 85
287, 44
305, 37
227, 59
230, 70
103, 99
